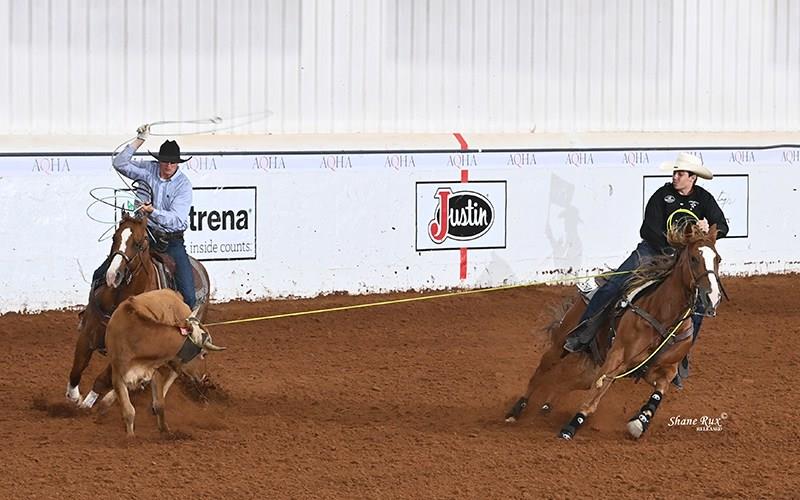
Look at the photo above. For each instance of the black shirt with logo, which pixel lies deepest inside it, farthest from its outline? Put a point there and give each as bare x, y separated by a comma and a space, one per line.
667, 200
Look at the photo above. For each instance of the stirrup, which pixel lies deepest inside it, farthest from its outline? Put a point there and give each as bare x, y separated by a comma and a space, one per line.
573, 344
587, 287
683, 368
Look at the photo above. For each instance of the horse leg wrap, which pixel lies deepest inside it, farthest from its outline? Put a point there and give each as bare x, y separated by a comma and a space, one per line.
648, 410
518, 407
652, 404
568, 432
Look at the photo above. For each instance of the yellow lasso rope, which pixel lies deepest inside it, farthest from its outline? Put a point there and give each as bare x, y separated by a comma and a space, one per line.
411, 299
680, 211
666, 339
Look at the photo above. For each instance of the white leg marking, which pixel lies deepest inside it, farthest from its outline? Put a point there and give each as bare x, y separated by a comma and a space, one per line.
73, 393
116, 262
709, 256
89, 400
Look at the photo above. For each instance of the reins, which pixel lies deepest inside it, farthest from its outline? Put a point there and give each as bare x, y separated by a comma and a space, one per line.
671, 331
130, 273
683, 317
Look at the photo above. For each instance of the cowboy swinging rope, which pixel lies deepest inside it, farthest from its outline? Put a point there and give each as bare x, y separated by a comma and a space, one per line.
209, 125
414, 299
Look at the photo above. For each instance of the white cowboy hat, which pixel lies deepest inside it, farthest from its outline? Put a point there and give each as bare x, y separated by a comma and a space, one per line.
689, 163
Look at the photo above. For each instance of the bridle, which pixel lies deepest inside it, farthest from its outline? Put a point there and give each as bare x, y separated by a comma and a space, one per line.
697, 288
129, 272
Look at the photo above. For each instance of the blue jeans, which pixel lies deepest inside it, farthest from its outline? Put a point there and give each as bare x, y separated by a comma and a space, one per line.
612, 288
184, 278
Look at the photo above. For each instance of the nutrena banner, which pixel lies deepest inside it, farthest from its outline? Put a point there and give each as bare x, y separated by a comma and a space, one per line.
222, 223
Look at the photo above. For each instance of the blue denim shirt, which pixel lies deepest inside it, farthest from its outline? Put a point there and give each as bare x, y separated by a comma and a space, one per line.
172, 198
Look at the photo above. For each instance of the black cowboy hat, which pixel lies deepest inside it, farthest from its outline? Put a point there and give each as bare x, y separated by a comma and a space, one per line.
170, 152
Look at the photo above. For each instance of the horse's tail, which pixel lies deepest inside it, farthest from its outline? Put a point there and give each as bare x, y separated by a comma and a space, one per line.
559, 312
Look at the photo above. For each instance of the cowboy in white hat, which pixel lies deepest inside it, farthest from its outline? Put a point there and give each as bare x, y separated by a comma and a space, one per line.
688, 163
673, 202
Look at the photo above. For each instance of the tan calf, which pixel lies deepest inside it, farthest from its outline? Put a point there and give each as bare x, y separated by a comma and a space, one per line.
144, 337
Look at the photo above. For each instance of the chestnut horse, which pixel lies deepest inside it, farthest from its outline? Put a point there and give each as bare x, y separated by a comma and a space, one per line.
647, 338
132, 271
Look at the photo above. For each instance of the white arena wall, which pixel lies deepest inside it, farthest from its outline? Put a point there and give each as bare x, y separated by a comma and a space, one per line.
356, 217
339, 123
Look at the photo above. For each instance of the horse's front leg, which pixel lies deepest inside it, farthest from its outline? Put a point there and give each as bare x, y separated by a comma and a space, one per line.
604, 379
641, 421
102, 385
598, 391
80, 360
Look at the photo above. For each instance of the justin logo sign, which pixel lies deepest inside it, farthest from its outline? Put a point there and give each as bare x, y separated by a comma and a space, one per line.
461, 215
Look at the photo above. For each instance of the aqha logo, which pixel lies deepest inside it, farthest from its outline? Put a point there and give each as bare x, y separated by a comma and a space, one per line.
51, 165
742, 157
463, 215
200, 163
791, 156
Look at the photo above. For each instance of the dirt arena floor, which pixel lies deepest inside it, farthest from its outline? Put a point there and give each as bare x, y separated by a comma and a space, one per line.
407, 401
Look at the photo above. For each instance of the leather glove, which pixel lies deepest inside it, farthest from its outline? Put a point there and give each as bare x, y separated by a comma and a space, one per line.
143, 132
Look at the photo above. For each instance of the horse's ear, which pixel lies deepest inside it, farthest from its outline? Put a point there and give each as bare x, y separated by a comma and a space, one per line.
712, 233
125, 215
688, 230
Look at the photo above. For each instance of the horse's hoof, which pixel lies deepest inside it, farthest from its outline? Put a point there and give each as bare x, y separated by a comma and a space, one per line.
517, 409
545, 408
635, 428
565, 435
73, 394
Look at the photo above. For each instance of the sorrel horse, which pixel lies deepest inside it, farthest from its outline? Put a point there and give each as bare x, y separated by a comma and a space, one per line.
131, 271
647, 338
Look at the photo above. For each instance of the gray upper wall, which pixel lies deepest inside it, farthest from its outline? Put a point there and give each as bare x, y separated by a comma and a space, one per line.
85, 67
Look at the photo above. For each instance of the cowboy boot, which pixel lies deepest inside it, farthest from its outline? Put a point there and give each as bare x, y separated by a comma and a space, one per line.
580, 336
683, 373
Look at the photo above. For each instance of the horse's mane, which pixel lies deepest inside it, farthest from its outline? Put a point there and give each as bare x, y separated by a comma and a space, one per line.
654, 268
680, 236
658, 267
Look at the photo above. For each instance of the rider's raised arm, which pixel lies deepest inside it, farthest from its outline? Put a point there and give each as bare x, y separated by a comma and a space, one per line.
176, 217
123, 161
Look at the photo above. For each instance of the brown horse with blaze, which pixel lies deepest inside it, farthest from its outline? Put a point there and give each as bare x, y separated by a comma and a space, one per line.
646, 336
131, 271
